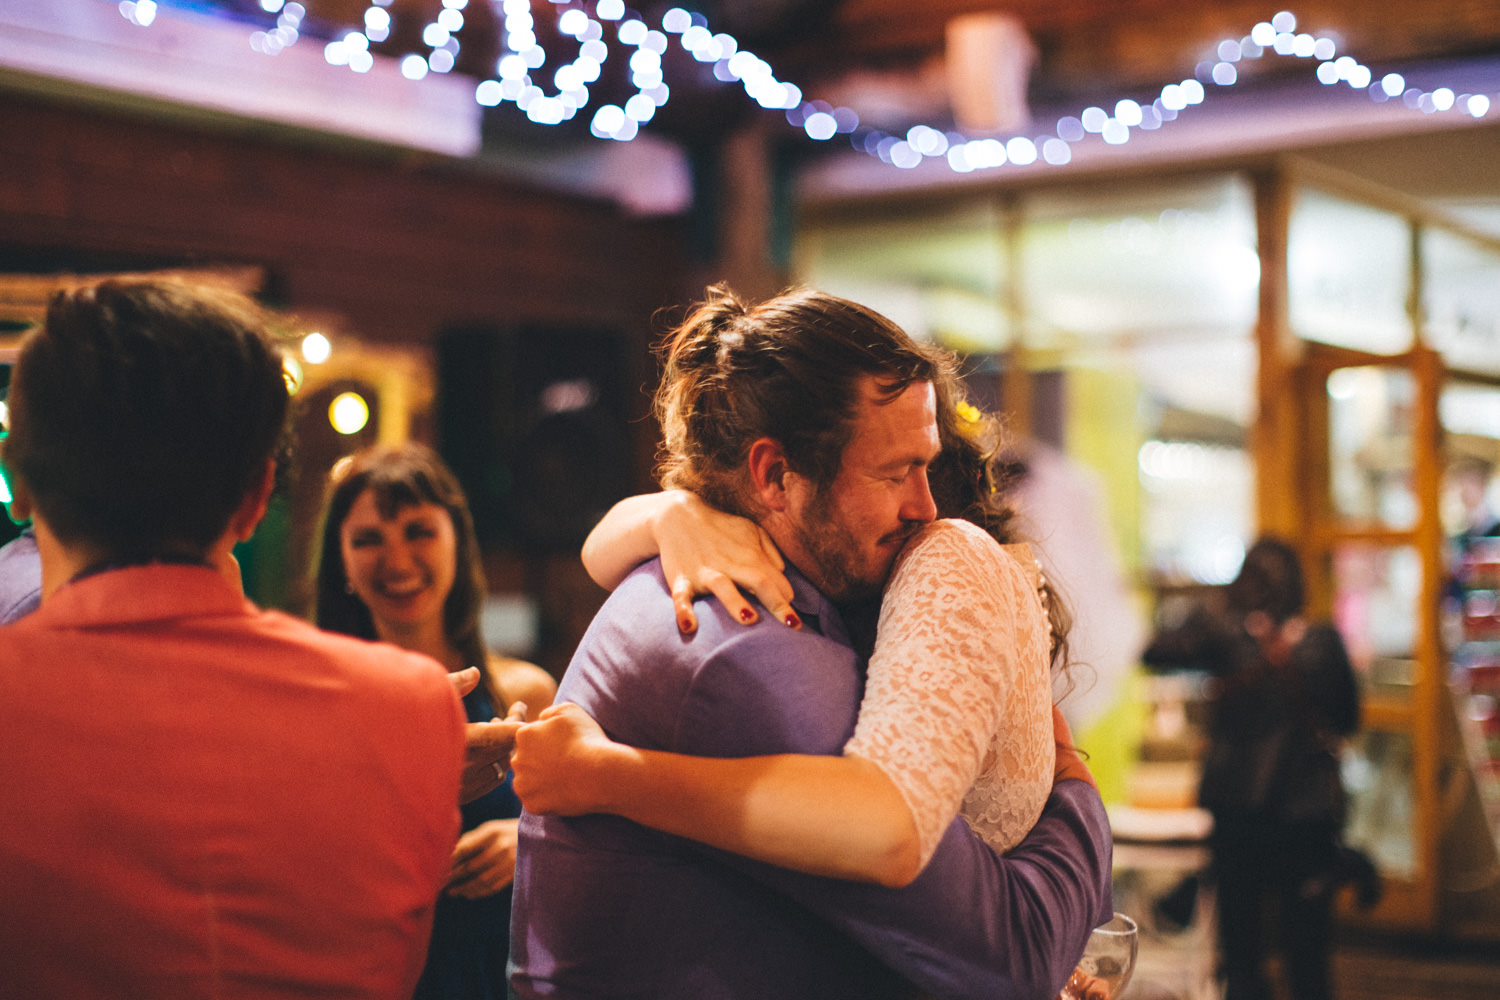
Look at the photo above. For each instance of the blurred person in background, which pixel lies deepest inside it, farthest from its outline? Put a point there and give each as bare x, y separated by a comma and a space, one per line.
1468, 495
201, 798
20, 577
399, 561
20, 564
1061, 508
1283, 699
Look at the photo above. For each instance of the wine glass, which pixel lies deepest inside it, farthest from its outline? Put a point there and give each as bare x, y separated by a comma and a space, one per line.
1107, 962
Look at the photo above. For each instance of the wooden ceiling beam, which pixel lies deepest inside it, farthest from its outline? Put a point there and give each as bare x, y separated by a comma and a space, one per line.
1097, 44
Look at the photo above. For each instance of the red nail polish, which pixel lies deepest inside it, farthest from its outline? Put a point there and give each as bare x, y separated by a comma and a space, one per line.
746, 615
683, 625
792, 621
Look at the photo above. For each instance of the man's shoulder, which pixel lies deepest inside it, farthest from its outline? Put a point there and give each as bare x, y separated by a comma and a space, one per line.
21, 549
651, 685
951, 545
16, 602
20, 578
366, 658
639, 615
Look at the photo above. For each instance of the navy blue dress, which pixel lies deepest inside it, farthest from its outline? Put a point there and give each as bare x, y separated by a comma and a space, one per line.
471, 937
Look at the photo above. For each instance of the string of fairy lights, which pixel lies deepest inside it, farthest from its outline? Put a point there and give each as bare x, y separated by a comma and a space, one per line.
521, 76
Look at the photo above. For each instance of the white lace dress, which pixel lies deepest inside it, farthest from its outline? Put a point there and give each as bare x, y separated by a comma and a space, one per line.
958, 705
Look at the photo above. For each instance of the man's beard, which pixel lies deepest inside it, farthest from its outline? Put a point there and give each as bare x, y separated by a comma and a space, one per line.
836, 554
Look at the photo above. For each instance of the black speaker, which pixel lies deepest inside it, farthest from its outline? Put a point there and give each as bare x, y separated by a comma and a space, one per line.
533, 421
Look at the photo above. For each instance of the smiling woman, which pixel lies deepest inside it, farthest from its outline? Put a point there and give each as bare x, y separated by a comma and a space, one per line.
399, 562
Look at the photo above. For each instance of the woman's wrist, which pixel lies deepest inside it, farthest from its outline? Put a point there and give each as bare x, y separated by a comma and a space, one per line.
669, 504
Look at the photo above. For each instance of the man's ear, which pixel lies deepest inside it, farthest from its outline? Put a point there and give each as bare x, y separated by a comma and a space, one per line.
768, 472
247, 518
19, 508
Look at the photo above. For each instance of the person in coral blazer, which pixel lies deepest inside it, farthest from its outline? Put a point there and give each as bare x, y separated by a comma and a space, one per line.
199, 798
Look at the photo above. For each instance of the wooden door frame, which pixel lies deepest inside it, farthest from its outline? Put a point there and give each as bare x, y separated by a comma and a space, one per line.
1293, 460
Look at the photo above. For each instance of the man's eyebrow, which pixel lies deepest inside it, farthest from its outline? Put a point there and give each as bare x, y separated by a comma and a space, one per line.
908, 462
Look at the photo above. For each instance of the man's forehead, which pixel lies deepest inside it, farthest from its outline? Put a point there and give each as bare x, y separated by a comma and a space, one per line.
883, 390
905, 419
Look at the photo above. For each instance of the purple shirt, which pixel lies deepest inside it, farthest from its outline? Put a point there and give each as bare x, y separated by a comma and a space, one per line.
20, 578
605, 907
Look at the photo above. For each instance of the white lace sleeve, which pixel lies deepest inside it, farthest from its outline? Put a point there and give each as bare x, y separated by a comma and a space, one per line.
957, 708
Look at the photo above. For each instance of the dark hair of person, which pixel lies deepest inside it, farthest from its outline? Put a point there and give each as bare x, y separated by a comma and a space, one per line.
1269, 581
966, 483
788, 369
143, 412
405, 475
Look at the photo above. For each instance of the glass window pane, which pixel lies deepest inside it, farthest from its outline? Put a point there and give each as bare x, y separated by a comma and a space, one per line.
1470, 416
1177, 258
1469, 409
1476, 704
1382, 816
1197, 512
1158, 280
1461, 300
939, 274
1469, 504
1370, 418
1377, 592
1348, 274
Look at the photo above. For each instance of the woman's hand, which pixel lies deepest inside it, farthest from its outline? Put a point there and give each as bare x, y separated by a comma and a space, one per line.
487, 745
706, 551
556, 762
1070, 763
484, 861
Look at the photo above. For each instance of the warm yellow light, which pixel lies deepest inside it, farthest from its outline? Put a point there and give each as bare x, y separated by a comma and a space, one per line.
316, 348
348, 413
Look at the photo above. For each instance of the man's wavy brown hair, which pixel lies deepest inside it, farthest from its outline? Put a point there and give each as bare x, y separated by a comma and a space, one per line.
788, 369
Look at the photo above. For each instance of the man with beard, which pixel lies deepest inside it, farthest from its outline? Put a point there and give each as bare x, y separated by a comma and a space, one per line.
816, 418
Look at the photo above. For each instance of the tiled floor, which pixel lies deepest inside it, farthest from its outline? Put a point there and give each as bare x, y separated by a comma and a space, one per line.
1363, 969
1400, 970
1177, 951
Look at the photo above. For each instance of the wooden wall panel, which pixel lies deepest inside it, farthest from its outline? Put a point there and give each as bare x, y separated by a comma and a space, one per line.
400, 244
390, 247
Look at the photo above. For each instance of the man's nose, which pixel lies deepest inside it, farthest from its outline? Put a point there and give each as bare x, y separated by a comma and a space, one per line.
919, 504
